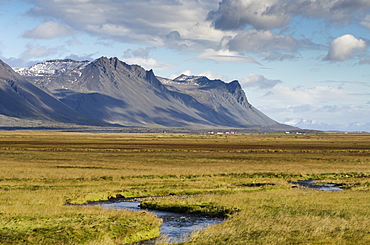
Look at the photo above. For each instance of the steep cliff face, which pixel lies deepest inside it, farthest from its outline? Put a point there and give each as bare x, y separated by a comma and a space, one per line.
227, 100
110, 90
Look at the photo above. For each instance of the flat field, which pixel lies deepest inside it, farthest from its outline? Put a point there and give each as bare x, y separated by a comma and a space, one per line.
242, 177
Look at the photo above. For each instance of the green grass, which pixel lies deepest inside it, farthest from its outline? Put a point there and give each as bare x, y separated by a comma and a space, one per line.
243, 177
203, 208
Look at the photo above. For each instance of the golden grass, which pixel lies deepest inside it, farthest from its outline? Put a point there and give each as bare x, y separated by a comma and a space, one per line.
293, 217
40, 172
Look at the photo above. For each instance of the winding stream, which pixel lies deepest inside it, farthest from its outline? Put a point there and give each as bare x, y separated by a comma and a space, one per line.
178, 227
175, 227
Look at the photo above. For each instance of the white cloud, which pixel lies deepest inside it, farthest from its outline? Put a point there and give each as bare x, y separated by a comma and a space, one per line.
259, 81
36, 51
313, 95
253, 40
140, 52
109, 29
49, 30
225, 56
265, 43
345, 47
211, 75
141, 56
148, 63
84, 57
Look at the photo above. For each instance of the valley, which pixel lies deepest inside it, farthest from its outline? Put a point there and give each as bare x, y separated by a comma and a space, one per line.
43, 173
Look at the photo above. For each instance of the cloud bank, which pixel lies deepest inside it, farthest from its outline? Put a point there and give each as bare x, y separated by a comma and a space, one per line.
241, 27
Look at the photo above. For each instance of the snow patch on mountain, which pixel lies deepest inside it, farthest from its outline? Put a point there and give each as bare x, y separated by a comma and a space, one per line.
181, 80
52, 67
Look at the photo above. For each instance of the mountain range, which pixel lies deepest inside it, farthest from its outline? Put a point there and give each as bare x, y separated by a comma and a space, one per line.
108, 91
322, 126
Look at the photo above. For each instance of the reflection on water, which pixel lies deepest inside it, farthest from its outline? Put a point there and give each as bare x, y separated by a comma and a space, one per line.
175, 227
318, 186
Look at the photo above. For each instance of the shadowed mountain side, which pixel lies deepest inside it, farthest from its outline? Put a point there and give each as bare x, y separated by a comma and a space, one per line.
227, 101
21, 99
93, 105
100, 106
206, 112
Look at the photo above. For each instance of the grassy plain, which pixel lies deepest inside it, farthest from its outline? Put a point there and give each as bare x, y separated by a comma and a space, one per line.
41, 172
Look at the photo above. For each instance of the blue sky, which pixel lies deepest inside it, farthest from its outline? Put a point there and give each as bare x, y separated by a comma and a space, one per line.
295, 59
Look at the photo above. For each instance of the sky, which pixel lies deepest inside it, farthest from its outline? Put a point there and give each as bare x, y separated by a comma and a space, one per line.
295, 59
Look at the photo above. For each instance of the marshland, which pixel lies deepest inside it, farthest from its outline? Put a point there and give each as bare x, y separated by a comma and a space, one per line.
243, 178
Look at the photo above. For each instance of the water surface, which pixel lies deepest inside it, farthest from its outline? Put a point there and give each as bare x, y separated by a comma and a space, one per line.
319, 186
176, 227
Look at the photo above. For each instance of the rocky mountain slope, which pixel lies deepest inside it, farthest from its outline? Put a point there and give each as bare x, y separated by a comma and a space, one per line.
112, 91
22, 99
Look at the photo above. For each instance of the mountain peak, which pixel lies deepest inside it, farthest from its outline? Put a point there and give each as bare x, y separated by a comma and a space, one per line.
105, 60
234, 86
115, 63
